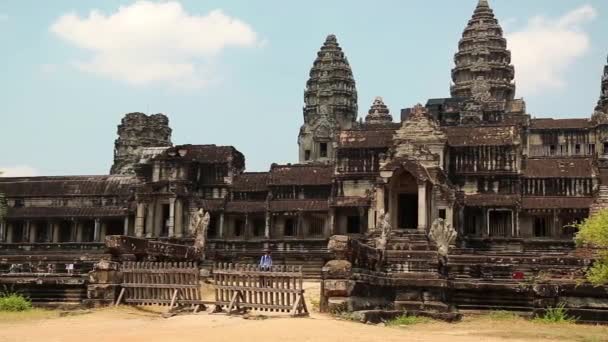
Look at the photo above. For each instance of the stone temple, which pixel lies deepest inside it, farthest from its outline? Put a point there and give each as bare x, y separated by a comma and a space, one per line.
511, 186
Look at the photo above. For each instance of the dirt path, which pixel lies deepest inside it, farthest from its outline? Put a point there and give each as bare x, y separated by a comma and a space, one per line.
127, 324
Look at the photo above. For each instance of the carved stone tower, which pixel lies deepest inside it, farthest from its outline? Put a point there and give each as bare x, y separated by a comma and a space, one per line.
378, 113
602, 104
483, 70
138, 130
330, 104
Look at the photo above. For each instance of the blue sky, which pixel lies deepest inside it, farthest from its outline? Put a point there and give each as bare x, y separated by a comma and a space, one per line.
233, 72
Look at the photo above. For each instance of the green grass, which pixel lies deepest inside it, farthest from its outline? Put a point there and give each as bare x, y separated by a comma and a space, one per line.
13, 302
33, 314
407, 320
554, 315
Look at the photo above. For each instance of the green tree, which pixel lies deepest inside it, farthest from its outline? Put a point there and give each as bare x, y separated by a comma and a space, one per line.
593, 232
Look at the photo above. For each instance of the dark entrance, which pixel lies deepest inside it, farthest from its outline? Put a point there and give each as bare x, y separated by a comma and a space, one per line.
408, 211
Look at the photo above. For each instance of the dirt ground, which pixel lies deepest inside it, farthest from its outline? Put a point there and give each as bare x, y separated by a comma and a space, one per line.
133, 324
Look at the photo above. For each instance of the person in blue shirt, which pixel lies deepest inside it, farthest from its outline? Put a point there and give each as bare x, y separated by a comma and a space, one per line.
266, 261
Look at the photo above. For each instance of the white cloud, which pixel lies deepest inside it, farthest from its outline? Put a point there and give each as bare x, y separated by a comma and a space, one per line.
545, 47
149, 42
18, 171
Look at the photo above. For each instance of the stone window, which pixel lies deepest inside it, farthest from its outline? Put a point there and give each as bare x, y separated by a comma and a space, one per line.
541, 226
307, 155
353, 225
290, 227
239, 227
317, 225
259, 227
552, 150
577, 149
442, 214
606, 148
323, 150
212, 229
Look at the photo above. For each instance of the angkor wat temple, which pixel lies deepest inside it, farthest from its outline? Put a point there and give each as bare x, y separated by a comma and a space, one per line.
512, 187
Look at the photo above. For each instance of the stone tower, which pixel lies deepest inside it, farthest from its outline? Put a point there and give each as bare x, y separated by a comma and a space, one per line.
483, 70
378, 113
330, 104
138, 130
602, 104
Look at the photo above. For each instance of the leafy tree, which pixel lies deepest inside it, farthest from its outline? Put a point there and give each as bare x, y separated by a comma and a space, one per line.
594, 232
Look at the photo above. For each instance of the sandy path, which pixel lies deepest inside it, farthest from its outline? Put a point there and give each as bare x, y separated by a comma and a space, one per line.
131, 325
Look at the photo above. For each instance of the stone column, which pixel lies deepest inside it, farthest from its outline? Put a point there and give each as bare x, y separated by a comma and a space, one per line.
9, 232
2, 231
56, 227
49, 231
267, 227
26, 231
97, 231
449, 215
159, 223
103, 231
149, 220
139, 220
125, 229
422, 207
171, 223
380, 198
221, 230
300, 225
179, 219
78, 228
31, 227
332, 222
371, 222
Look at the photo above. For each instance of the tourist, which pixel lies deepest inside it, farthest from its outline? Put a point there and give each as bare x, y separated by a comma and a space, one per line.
266, 261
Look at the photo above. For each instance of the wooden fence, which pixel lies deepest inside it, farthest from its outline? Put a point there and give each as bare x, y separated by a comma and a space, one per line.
277, 289
161, 283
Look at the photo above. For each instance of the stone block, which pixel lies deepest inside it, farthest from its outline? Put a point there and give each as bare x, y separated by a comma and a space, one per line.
105, 277
338, 288
337, 269
103, 292
338, 244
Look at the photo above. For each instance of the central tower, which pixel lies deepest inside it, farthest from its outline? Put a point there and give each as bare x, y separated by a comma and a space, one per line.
330, 104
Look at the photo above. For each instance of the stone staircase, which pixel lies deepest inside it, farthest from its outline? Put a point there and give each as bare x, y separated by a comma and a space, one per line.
601, 201
410, 252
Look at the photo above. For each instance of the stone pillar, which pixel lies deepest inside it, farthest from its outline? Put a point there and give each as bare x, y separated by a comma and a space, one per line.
26, 232
49, 231
371, 222
179, 219
300, 225
56, 228
267, 227
78, 228
149, 220
221, 230
171, 223
332, 221
97, 231
159, 223
139, 220
422, 207
32, 228
125, 229
9, 232
449, 215
2, 231
103, 231
380, 198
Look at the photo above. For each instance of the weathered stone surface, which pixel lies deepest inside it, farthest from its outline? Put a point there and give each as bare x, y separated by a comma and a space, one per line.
337, 269
338, 288
338, 244
137, 131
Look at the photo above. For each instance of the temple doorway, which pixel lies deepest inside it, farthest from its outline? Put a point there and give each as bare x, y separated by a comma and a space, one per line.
407, 217
404, 200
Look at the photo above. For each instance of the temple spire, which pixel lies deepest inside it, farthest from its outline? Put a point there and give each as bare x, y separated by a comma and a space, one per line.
483, 68
330, 103
600, 116
378, 113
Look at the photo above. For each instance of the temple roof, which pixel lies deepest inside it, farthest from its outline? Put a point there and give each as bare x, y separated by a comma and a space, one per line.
559, 168
246, 206
67, 186
251, 181
461, 136
560, 123
556, 202
299, 205
483, 71
366, 138
491, 200
207, 154
301, 174
66, 212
